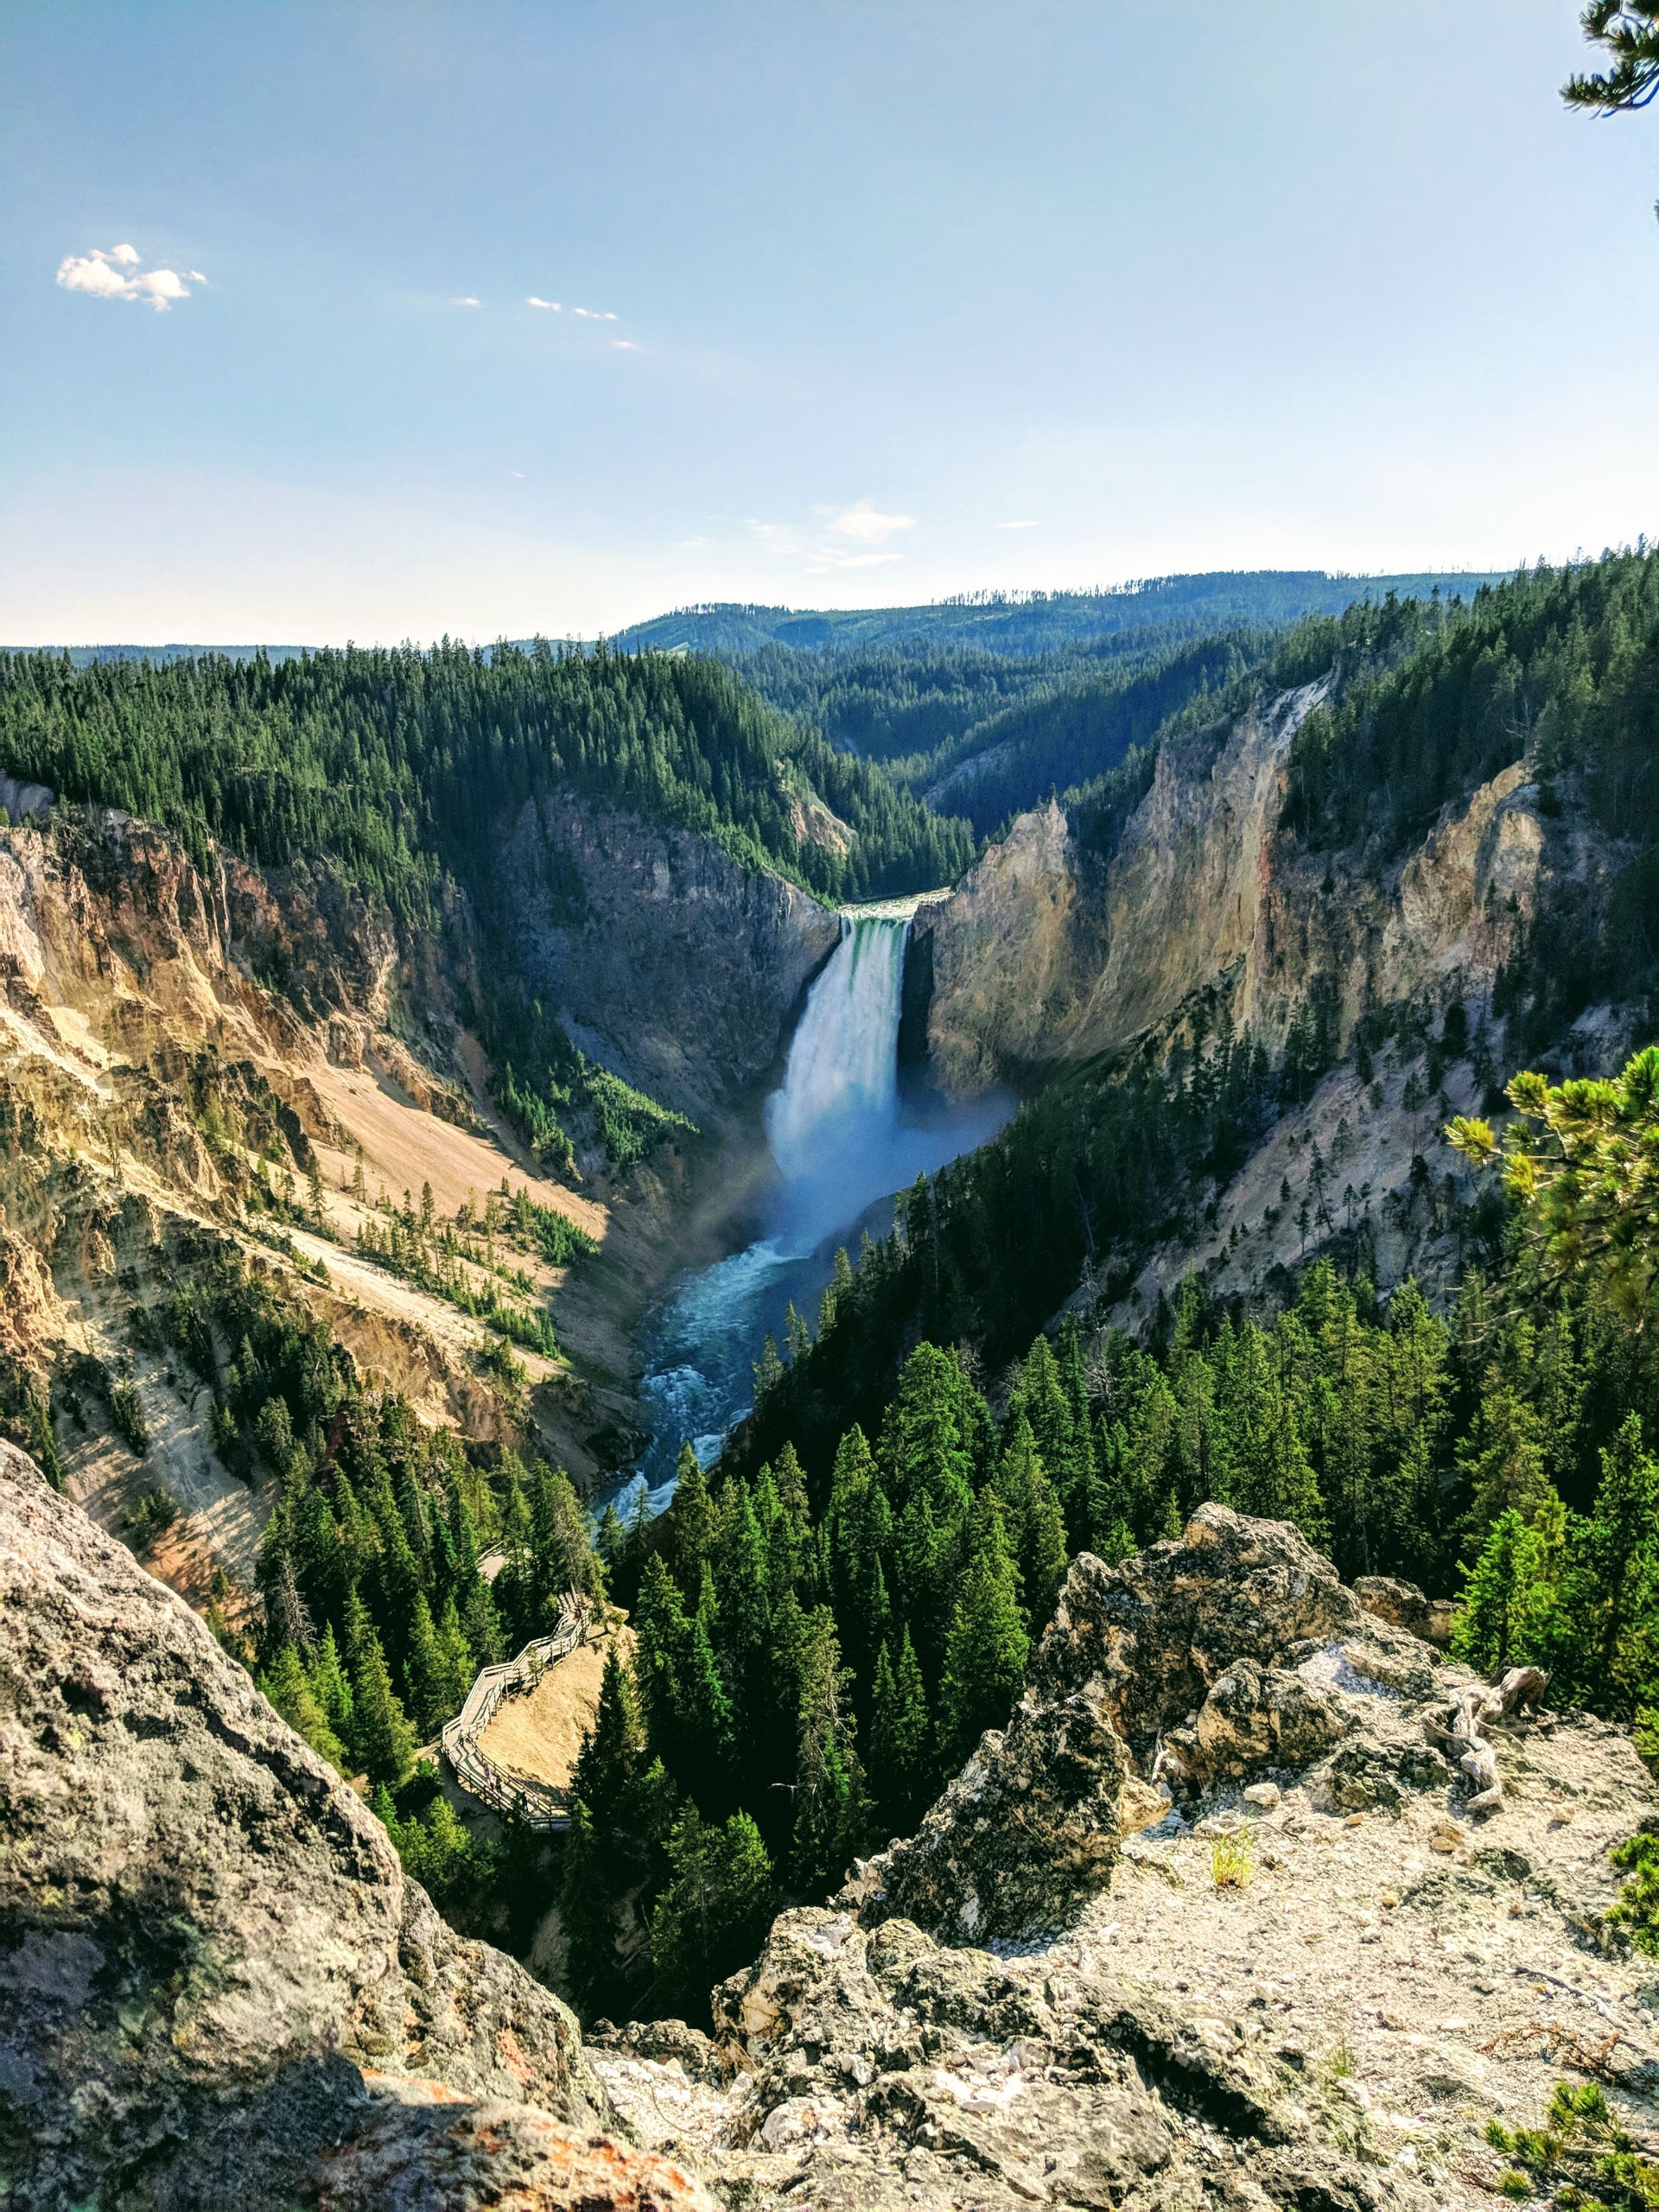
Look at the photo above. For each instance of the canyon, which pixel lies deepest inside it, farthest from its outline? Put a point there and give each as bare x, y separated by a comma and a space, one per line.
1304, 1977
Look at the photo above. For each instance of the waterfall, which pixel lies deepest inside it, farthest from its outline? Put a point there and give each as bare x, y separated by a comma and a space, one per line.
841, 1142
831, 1124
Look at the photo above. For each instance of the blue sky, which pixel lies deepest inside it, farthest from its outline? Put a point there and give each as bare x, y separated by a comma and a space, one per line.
908, 299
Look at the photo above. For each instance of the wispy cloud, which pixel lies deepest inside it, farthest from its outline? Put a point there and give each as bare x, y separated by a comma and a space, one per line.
850, 537
625, 346
117, 273
548, 306
865, 524
469, 301
1017, 525
594, 314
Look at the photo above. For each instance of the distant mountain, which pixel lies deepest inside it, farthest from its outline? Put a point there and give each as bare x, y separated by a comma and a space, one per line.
1040, 621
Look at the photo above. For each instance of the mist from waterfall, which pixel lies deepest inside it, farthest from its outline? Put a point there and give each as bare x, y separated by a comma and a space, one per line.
843, 1143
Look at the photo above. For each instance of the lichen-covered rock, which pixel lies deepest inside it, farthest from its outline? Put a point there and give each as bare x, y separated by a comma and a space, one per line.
1402, 1605
1160, 1629
883, 2069
1257, 1716
423, 2153
205, 1936
1027, 1831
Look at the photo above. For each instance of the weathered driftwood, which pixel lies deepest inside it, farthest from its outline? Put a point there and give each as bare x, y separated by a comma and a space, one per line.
1477, 1706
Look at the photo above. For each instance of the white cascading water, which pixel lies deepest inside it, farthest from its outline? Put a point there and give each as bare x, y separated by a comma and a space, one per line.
832, 1122
841, 1141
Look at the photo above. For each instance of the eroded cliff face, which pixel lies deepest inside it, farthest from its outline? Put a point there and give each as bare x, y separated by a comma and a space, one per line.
177, 1041
1209, 911
1042, 955
678, 969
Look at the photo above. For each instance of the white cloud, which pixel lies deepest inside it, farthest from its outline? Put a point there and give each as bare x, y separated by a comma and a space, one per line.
625, 345
116, 275
469, 301
551, 306
823, 551
1016, 526
595, 315
866, 524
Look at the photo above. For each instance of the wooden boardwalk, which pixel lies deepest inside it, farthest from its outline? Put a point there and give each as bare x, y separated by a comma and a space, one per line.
535, 1804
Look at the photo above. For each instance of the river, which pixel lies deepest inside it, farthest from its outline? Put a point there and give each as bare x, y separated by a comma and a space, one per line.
843, 1142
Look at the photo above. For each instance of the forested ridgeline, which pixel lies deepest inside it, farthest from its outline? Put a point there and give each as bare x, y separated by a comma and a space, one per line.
1041, 622
402, 764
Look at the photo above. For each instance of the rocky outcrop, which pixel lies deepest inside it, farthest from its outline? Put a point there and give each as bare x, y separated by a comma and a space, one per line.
1220, 1658
211, 1953
1402, 1605
879, 2070
1303, 1994
669, 961
1308, 1984
1024, 1835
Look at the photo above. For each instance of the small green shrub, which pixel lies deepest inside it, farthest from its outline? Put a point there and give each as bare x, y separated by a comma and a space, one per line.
155, 1511
127, 1414
1637, 1907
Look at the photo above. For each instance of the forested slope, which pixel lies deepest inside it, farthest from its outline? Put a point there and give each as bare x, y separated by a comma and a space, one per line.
401, 764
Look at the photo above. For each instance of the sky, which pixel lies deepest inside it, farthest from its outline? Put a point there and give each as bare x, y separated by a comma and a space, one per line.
395, 320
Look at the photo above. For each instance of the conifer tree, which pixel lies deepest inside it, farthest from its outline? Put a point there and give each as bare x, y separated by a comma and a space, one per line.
589, 1917
288, 1619
426, 1672
1505, 1616
482, 1624
663, 1653
690, 1520
1042, 1400
714, 1911
901, 1765
460, 1670
1111, 1534
288, 1690
925, 1447
333, 1686
1610, 1589
613, 1746
1033, 1519
829, 1805
1501, 1460
858, 1531
985, 1649
382, 1739
710, 1722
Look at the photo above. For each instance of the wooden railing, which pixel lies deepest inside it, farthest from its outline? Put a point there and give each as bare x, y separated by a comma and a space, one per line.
536, 1803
